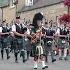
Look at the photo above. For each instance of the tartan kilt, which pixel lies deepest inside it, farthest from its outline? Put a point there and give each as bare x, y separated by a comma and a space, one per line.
37, 50
0, 43
13, 43
19, 43
5, 42
62, 43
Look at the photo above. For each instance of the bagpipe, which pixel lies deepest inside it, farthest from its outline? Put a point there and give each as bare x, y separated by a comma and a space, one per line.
35, 36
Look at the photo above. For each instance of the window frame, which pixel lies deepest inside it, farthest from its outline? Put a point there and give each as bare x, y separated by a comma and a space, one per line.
12, 3
28, 2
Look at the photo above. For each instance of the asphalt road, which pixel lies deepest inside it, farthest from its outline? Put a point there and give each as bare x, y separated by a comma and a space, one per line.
11, 65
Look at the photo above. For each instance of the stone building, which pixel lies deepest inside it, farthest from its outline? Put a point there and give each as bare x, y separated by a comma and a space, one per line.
8, 9
50, 9
27, 8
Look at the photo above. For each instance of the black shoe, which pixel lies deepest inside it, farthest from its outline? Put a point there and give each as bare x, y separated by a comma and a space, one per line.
2, 58
35, 68
16, 61
60, 58
24, 61
65, 58
45, 67
53, 60
8, 57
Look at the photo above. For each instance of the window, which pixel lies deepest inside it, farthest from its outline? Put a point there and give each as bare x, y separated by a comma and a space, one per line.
12, 3
31, 2
28, 2
15, 2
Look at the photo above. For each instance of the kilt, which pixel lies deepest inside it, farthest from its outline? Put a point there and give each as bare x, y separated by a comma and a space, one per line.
13, 43
37, 50
62, 43
28, 45
21, 43
33, 49
5, 42
0, 43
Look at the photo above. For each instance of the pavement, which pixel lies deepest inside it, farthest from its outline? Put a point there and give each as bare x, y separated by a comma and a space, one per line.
11, 65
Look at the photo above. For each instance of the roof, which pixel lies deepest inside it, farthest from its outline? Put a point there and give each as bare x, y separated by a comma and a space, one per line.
4, 3
41, 3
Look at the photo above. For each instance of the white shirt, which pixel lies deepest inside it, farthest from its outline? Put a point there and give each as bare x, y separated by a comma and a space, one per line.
58, 31
0, 29
13, 28
28, 31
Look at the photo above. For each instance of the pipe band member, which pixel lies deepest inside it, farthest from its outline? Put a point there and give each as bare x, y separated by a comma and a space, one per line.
17, 29
37, 48
62, 41
49, 41
5, 40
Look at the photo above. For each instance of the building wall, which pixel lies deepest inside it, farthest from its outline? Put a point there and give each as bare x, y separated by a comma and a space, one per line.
9, 14
0, 14
49, 12
20, 4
